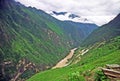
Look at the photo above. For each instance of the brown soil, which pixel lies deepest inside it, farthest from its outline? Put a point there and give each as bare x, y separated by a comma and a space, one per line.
64, 61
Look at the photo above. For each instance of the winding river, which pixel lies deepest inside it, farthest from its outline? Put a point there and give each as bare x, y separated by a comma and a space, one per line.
64, 61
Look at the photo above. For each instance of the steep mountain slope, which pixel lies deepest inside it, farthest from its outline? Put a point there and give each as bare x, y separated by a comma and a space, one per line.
88, 68
26, 34
77, 31
31, 37
105, 32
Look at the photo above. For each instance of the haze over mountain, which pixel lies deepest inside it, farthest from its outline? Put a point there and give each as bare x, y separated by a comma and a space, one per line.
66, 16
105, 32
98, 11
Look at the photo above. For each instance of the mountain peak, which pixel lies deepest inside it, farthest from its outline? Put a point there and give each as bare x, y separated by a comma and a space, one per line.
72, 16
59, 13
66, 16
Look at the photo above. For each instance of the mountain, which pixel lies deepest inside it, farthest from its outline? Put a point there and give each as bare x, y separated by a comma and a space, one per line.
24, 34
76, 31
31, 38
66, 16
104, 33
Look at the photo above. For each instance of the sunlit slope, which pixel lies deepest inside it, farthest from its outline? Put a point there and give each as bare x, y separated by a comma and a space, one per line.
89, 64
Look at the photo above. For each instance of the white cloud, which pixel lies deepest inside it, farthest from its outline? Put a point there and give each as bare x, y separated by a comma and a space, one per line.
99, 11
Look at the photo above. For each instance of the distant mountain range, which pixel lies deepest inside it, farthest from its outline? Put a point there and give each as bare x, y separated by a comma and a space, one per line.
72, 16
64, 16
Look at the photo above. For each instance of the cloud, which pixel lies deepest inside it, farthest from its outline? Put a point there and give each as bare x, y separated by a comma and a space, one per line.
99, 11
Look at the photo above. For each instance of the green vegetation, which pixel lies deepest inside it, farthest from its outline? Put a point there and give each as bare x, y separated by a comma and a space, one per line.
88, 67
28, 37
26, 32
99, 76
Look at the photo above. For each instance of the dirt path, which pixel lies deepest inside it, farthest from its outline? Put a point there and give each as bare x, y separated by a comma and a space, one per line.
81, 53
64, 61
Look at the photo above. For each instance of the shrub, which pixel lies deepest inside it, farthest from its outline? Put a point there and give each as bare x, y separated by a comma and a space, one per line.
75, 77
99, 76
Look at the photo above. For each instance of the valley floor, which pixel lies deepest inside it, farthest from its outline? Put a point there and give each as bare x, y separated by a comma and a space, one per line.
64, 62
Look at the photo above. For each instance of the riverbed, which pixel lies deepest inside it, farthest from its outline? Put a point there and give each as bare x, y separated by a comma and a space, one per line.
63, 62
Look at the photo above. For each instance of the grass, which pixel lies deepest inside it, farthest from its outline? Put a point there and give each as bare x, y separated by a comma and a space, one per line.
88, 66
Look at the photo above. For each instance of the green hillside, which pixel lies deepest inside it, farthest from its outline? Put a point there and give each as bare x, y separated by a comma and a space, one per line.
26, 34
88, 67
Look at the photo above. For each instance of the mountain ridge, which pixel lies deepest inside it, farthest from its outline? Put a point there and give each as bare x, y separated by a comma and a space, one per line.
105, 32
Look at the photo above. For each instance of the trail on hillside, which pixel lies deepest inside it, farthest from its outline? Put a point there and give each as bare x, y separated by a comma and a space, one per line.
64, 61
78, 57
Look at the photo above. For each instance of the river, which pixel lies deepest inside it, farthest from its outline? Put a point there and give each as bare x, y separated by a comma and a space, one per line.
63, 62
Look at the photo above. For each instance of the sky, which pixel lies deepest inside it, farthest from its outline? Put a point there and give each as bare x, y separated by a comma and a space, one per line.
98, 11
